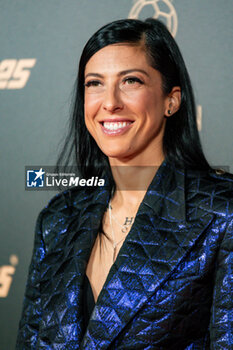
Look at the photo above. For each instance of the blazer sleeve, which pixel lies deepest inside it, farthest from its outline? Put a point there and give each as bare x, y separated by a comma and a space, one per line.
221, 326
31, 314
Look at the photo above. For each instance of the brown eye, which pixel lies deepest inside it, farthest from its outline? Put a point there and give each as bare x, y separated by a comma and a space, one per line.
93, 87
94, 83
132, 80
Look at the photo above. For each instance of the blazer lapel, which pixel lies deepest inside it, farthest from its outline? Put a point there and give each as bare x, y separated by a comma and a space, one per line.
65, 268
81, 242
159, 239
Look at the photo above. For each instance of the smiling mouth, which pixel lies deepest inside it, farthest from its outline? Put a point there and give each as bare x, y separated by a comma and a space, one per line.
115, 125
115, 128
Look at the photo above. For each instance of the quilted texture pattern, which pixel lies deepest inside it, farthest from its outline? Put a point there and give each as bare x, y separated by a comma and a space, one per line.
170, 287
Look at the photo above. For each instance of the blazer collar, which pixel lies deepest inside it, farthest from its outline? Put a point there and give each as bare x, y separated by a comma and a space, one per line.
159, 239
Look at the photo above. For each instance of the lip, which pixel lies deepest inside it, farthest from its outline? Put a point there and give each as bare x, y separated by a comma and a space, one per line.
119, 131
115, 120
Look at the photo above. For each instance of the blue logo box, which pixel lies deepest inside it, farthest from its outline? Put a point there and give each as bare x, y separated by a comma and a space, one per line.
35, 178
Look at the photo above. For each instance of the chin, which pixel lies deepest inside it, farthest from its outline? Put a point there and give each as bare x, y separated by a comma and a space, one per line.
114, 152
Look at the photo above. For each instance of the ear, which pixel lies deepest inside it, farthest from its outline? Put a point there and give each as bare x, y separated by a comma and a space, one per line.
173, 101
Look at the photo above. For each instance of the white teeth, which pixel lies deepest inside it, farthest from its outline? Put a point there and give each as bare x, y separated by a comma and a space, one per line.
115, 125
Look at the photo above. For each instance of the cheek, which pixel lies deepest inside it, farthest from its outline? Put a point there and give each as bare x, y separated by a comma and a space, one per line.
91, 107
92, 103
140, 102
154, 104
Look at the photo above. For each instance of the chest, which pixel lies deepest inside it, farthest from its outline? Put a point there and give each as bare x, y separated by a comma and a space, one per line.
153, 283
114, 230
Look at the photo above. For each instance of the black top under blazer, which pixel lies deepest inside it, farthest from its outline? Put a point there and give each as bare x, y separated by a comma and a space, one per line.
170, 286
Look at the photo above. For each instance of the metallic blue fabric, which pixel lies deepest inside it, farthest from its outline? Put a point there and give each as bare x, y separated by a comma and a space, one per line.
170, 287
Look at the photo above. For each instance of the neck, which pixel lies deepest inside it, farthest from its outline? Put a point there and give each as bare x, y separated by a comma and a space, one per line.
132, 182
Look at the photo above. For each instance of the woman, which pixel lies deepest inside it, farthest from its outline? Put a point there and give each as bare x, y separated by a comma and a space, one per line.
145, 263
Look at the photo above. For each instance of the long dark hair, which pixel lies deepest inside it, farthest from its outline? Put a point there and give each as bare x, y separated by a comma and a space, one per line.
181, 142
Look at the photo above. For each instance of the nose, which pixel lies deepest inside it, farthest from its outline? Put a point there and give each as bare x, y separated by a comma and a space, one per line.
112, 100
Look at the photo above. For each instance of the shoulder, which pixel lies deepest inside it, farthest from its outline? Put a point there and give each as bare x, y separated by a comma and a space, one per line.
211, 190
217, 180
71, 200
66, 203
62, 211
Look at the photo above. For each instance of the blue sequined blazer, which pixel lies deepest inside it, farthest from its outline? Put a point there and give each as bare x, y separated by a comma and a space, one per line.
170, 287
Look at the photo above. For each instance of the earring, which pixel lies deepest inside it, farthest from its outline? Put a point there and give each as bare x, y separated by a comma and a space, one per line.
169, 112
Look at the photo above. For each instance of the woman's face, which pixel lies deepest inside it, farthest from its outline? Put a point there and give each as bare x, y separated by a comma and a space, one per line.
125, 105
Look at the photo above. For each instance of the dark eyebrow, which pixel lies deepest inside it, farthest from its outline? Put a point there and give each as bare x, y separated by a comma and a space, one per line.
94, 75
133, 70
124, 72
